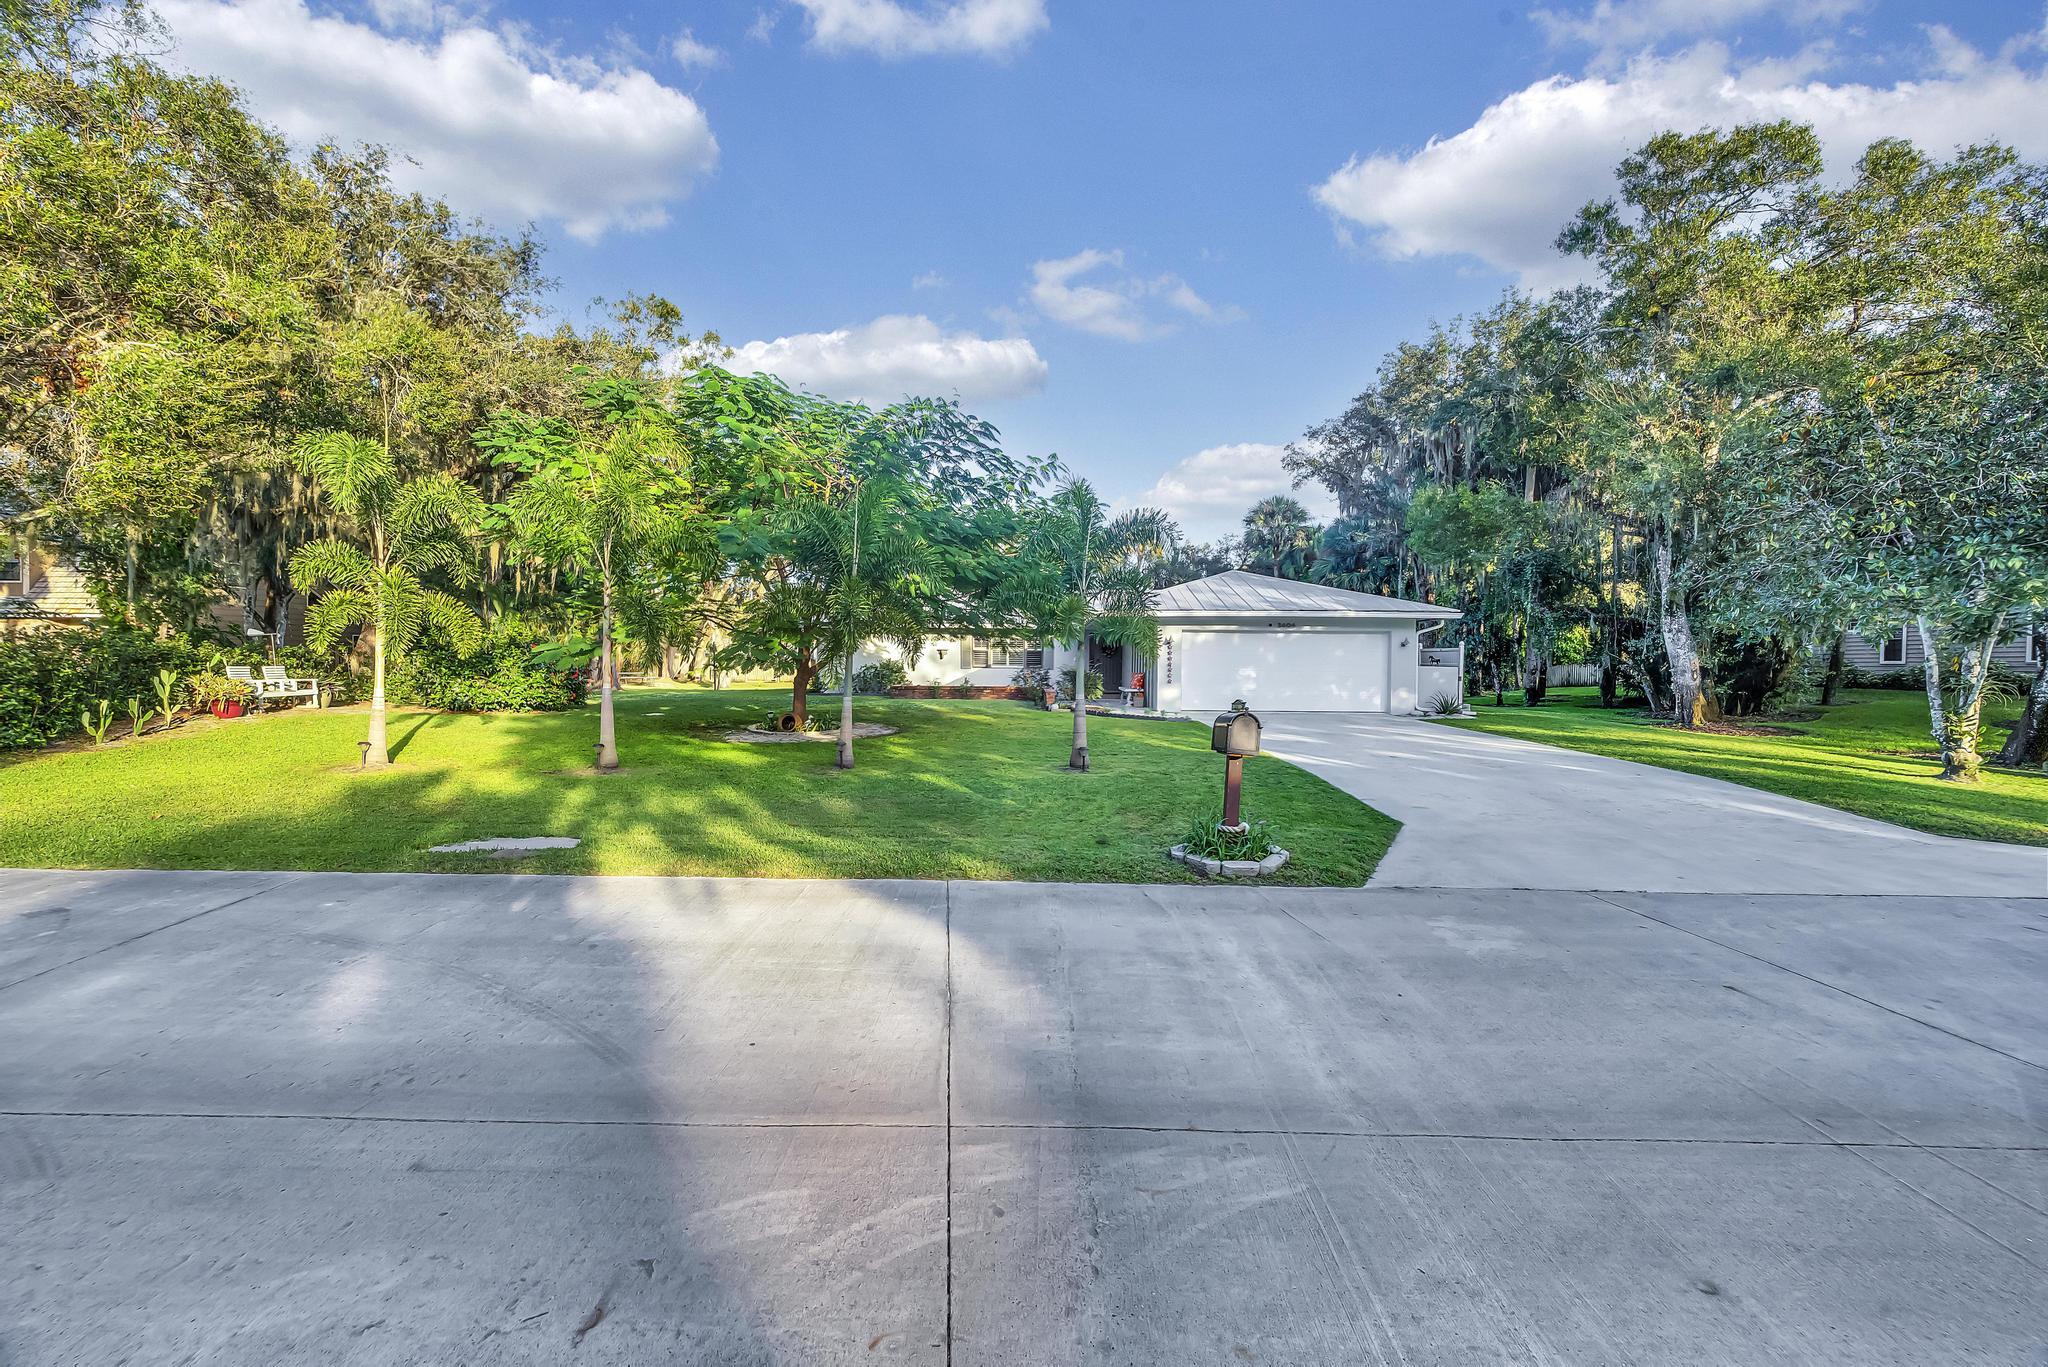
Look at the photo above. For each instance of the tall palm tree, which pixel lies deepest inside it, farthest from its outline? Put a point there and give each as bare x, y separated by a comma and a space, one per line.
862, 541
601, 506
1087, 576
393, 533
1279, 535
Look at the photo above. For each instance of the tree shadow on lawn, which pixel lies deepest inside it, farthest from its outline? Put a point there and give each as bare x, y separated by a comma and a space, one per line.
929, 803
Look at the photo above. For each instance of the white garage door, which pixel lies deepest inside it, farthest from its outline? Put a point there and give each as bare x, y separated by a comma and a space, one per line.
1284, 671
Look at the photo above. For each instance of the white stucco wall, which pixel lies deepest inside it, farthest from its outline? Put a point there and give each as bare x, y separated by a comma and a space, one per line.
942, 663
1430, 682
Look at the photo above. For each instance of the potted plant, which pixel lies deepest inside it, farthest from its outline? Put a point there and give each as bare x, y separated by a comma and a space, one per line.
218, 694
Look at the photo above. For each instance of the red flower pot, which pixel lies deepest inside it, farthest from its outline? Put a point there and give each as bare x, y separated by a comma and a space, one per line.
226, 707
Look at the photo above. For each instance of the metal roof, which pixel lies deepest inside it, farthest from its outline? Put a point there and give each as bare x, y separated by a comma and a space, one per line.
1240, 593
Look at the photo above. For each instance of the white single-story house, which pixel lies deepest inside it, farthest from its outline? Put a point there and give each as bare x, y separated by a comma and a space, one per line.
972, 662
1279, 644
1286, 646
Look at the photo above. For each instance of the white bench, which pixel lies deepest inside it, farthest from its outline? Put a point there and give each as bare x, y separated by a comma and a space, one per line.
277, 683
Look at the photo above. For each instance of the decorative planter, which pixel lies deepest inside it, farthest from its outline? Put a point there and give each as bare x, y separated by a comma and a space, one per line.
226, 708
1230, 868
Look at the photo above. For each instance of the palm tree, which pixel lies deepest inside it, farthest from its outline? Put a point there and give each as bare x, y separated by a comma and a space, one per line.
394, 532
600, 507
862, 543
1278, 533
1088, 576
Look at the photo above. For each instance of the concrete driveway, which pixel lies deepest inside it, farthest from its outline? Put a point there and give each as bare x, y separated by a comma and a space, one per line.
275, 1119
1485, 811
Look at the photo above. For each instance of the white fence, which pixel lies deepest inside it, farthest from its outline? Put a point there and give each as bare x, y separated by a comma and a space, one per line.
1439, 670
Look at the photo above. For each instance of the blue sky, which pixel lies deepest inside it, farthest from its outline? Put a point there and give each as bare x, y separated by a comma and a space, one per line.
1158, 239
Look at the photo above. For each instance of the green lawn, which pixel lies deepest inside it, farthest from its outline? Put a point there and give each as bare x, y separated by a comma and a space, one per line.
965, 789
1870, 754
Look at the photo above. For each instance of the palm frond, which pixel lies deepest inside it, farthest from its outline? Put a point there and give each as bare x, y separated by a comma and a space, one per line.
329, 561
355, 475
334, 612
452, 619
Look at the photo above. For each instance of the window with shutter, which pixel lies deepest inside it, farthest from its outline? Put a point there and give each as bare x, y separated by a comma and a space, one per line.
977, 654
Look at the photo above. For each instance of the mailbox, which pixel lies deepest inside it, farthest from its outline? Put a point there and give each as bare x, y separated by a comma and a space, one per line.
1235, 734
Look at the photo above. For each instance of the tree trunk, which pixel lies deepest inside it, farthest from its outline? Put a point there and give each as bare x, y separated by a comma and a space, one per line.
607, 729
1932, 675
379, 752
134, 569
800, 692
1610, 664
2028, 743
845, 760
1687, 699
1079, 759
1532, 659
1956, 730
1838, 664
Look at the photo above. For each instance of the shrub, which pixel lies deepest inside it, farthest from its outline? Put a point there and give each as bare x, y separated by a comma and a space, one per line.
1444, 705
1035, 680
2002, 680
1573, 645
880, 677
209, 688
1208, 839
501, 676
50, 676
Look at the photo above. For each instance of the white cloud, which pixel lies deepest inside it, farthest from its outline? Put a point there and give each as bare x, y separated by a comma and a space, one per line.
1502, 189
692, 54
930, 280
898, 355
899, 28
471, 114
1209, 492
1615, 26
1115, 304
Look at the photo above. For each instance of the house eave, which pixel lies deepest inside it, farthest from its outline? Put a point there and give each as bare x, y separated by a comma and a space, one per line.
1325, 615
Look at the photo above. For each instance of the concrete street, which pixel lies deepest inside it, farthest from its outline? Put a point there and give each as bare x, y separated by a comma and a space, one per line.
1485, 811
379, 1119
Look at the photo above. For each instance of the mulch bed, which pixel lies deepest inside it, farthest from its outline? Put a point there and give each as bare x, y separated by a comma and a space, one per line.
862, 730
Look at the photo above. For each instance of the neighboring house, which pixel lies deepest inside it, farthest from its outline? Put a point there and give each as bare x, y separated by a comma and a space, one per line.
39, 585
1901, 650
970, 662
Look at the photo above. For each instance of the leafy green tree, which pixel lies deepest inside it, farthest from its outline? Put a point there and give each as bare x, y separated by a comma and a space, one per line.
952, 490
1081, 575
155, 249
1186, 560
1691, 322
390, 535
1902, 479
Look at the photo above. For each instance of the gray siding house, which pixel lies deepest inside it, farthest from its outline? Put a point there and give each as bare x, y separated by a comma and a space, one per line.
1901, 650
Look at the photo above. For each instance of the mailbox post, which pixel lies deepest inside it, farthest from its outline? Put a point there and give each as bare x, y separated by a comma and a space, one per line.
1234, 735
